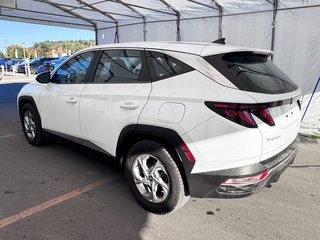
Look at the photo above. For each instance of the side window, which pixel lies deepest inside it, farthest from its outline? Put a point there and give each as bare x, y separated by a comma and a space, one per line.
75, 70
164, 66
121, 66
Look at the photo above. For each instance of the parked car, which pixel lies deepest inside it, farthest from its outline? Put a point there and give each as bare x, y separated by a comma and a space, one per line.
50, 65
34, 63
5, 62
2, 61
14, 62
182, 119
40, 69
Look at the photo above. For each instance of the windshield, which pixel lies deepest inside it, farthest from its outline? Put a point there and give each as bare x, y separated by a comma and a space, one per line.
34, 60
252, 72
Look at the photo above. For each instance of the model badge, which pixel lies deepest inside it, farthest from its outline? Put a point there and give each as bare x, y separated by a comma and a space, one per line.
273, 138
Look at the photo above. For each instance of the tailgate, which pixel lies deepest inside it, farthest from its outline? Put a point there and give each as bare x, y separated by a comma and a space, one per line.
286, 116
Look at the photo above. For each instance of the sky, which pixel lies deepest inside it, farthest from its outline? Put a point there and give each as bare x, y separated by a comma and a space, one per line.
27, 33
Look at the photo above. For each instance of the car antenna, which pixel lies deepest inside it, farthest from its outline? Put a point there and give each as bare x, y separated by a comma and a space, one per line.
220, 41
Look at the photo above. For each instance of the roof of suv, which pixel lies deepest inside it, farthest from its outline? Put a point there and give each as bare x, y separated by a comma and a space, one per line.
197, 48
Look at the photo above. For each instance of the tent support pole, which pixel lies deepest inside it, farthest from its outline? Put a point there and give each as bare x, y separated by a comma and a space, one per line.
144, 19
177, 13
313, 92
96, 34
105, 14
220, 18
145, 31
116, 35
275, 9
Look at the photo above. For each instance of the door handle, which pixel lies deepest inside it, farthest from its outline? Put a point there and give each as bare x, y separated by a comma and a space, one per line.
71, 100
129, 106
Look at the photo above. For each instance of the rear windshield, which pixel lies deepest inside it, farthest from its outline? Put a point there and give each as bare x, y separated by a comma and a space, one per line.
252, 72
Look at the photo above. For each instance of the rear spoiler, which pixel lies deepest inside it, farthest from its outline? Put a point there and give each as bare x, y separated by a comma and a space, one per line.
269, 53
220, 41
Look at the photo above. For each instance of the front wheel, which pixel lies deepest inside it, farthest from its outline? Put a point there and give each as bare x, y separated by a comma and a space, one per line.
154, 177
33, 70
31, 125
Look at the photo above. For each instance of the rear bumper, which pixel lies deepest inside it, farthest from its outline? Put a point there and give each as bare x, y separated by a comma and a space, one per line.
212, 184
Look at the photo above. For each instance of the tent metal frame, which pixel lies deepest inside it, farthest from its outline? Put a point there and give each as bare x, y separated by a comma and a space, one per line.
111, 17
94, 24
177, 13
141, 7
116, 37
144, 18
203, 4
46, 21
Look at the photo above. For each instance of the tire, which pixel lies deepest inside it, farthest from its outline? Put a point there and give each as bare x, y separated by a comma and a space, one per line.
31, 125
157, 186
33, 70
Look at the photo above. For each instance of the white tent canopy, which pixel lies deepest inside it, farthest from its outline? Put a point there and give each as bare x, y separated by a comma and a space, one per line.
288, 27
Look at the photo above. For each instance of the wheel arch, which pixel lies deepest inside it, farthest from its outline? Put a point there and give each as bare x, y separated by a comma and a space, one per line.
27, 99
169, 138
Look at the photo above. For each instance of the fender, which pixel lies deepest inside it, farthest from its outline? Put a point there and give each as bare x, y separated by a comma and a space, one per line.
27, 99
171, 139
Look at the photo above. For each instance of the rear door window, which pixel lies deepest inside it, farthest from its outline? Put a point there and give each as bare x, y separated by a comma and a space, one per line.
121, 66
252, 72
164, 66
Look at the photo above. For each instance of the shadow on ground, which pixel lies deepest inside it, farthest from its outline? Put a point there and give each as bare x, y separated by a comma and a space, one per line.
33, 175
38, 174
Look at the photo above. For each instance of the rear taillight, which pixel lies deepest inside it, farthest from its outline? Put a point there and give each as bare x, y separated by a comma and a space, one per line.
264, 115
242, 113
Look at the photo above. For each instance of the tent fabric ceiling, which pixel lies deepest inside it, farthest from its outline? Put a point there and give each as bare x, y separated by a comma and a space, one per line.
96, 14
104, 14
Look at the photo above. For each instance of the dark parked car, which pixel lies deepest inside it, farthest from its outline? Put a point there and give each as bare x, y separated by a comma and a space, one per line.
12, 62
2, 61
34, 63
50, 65
5, 62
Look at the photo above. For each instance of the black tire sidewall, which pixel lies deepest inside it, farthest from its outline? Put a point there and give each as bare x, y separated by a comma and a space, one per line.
162, 154
33, 70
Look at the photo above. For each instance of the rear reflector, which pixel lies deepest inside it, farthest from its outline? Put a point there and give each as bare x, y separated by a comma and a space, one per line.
187, 151
242, 113
247, 180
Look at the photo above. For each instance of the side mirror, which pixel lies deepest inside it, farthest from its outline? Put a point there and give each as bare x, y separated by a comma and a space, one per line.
43, 77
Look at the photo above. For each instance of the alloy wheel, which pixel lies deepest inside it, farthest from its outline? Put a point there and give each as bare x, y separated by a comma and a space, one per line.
151, 178
29, 125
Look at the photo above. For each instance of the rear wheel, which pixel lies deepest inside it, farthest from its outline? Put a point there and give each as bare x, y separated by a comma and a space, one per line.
31, 125
154, 178
33, 70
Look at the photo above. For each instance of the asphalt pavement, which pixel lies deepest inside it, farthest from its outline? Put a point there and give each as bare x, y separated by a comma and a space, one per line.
65, 191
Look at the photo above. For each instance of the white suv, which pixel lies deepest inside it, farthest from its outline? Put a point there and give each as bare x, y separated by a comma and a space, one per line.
183, 119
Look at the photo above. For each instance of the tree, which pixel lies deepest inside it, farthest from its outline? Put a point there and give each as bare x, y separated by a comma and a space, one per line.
46, 48
11, 51
2, 54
